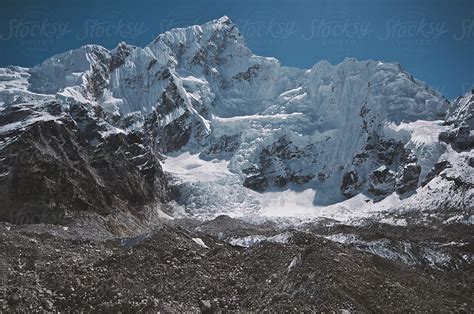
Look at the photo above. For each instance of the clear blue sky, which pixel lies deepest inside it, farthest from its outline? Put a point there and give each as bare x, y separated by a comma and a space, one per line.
433, 39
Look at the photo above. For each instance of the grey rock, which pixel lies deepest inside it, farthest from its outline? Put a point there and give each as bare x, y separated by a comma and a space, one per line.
276, 166
382, 181
58, 169
350, 184
407, 178
436, 170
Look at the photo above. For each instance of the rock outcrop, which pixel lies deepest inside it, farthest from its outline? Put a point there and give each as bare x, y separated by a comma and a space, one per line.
58, 162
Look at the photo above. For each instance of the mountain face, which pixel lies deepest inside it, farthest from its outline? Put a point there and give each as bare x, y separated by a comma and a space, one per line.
85, 129
58, 161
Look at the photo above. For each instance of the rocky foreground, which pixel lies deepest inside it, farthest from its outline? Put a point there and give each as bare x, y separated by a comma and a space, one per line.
190, 266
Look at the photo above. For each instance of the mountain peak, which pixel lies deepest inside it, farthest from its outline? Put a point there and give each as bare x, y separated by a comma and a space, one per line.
220, 24
223, 20
214, 43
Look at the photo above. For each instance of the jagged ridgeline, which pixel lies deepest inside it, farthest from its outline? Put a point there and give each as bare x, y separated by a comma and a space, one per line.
85, 130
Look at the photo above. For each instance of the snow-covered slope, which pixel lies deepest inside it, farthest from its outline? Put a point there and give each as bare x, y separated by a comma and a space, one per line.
246, 135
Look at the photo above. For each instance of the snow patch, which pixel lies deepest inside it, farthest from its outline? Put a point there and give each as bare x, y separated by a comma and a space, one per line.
253, 240
200, 242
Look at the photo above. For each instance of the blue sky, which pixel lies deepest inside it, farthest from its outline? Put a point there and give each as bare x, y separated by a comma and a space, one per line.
432, 39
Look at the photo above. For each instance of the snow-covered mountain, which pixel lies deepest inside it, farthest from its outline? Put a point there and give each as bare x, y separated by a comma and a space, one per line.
244, 135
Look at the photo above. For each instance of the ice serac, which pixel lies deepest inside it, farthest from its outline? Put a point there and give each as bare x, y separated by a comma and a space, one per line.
356, 128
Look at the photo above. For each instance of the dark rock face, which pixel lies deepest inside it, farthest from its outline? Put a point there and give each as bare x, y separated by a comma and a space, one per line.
98, 76
170, 101
256, 182
383, 151
97, 79
251, 72
171, 135
407, 178
382, 181
223, 146
119, 55
56, 167
274, 166
389, 166
460, 118
350, 184
459, 137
